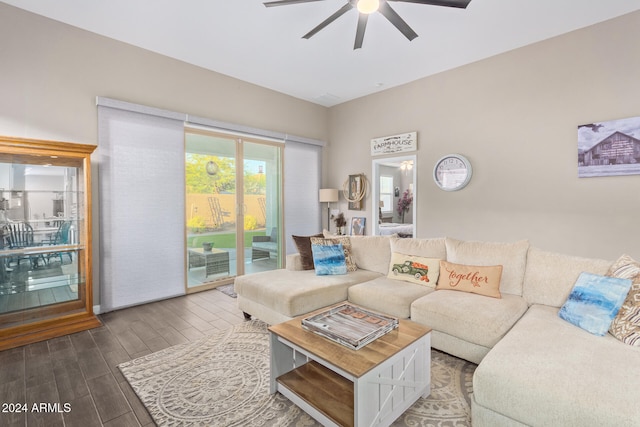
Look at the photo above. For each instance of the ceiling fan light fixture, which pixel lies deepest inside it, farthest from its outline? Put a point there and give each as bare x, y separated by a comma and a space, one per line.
368, 6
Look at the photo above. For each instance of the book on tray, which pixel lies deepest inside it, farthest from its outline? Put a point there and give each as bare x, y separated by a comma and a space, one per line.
350, 325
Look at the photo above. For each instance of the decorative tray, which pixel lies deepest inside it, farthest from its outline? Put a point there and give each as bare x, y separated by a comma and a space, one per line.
349, 325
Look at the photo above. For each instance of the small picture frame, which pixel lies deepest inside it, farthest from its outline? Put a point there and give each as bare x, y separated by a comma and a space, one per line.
357, 225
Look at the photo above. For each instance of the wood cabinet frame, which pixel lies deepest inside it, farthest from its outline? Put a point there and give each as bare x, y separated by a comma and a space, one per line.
49, 321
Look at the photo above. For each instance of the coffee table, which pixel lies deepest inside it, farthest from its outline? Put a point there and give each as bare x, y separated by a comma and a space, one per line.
215, 261
339, 386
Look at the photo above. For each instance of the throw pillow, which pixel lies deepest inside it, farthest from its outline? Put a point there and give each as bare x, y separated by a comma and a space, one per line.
329, 259
511, 256
303, 243
594, 301
476, 279
626, 324
414, 269
346, 245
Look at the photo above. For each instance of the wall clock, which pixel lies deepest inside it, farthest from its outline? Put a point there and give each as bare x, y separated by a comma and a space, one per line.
452, 172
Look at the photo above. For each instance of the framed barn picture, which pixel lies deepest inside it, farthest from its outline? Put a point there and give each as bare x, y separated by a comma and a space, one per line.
609, 148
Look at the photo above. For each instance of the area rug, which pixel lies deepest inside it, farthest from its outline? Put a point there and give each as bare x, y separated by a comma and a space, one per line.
223, 380
228, 290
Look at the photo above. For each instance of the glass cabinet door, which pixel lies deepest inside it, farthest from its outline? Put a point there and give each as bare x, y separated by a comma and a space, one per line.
44, 252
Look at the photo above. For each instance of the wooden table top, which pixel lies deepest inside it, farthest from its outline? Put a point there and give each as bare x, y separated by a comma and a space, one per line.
354, 362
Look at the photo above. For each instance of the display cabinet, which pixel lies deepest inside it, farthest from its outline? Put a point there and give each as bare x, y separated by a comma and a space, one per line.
45, 240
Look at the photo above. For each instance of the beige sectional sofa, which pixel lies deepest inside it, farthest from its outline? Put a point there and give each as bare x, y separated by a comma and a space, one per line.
533, 367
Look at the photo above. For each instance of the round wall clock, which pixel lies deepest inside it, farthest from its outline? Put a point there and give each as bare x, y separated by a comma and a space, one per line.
452, 172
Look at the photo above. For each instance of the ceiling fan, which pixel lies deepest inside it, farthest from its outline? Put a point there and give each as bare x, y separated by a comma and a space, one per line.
367, 7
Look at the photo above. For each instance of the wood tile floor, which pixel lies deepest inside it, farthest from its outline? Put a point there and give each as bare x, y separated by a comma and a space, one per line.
76, 376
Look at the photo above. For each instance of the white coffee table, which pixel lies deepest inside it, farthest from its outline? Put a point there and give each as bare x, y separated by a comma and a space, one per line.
338, 386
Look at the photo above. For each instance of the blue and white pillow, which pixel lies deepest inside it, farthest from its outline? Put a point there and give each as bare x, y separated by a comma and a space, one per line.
594, 302
329, 259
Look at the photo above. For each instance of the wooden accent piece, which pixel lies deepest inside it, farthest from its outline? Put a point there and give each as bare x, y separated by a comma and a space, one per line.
339, 386
354, 362
39, 323
327, 391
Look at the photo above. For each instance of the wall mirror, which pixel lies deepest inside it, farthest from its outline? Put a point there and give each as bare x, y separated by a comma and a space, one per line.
394, 196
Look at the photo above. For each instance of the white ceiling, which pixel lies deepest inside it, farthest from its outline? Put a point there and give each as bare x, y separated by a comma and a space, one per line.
244, 39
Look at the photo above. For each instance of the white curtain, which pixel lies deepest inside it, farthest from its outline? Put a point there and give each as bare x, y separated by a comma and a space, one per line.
141, 188
302, 210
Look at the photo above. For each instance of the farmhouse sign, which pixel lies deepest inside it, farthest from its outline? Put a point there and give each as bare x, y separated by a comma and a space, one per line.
394, 144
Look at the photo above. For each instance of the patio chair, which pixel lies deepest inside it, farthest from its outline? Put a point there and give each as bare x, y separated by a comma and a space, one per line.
264, 246
217, 214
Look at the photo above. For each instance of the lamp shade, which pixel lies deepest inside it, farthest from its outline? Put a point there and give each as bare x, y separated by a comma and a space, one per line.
328, 195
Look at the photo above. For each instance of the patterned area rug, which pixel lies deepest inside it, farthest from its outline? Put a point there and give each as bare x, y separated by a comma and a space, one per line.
223, 380
228, 290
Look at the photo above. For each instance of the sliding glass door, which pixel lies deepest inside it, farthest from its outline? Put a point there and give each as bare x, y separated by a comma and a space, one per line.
262, 206
233, 205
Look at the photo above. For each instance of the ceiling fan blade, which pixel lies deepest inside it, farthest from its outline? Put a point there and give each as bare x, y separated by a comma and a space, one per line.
362, 25
462, 4
398, 22
286, 2
344, 9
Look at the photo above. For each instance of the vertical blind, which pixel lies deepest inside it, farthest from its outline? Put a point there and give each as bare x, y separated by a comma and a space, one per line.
302, 216
141, 187
141, 166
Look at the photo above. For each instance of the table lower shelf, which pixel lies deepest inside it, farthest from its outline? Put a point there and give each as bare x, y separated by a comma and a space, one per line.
323, 389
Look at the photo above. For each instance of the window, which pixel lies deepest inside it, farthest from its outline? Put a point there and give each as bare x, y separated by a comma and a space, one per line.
386, 193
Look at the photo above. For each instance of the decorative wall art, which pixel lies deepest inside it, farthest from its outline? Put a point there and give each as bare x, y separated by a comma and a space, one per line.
354, 191
394, 144
609, 148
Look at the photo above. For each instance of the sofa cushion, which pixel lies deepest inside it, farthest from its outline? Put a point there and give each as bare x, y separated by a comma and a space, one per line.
414, 269
481, 280
431, 248
372, 252
387, 296
293, 262
473, 318
626, 325
512, 257
547, 372
329, 259
303, 244
346, 245
549, 276
594, 302
293, 293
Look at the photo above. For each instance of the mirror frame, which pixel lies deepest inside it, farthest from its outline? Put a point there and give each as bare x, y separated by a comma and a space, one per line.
375, 189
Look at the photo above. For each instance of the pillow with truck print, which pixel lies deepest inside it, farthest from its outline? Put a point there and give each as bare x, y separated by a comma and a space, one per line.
415, 269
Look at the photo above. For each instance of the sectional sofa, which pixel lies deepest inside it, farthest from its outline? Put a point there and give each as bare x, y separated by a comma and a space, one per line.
534, 368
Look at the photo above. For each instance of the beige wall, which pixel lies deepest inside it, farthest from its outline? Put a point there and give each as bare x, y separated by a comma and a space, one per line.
51, 73
515, 117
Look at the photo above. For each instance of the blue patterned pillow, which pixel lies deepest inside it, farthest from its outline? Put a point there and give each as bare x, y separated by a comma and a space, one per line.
594, 302
329, 259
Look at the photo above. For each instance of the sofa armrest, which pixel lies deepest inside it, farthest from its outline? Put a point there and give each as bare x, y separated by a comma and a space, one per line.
294, 262
261, 239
